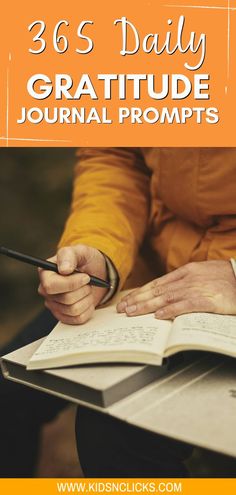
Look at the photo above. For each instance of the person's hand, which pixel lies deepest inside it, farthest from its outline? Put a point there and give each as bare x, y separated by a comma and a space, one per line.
207, 286
68, 295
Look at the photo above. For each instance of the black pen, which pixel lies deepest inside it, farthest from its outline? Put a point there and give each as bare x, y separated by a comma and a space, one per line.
48, 265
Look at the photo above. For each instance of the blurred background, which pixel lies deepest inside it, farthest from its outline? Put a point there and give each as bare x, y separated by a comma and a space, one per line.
35, 192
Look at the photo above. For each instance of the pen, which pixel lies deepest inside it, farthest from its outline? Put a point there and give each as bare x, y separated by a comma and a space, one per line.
48, 265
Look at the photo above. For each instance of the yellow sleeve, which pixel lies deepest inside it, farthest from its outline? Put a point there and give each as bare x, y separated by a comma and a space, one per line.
110, 206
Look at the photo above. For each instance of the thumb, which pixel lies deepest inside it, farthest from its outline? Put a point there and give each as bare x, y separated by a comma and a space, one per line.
66, 260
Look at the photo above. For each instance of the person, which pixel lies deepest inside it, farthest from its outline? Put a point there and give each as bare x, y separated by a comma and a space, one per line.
182, 202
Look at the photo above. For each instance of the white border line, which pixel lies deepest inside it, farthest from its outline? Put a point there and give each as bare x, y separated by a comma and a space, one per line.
7, 100
5, 138
200, 7
228, 48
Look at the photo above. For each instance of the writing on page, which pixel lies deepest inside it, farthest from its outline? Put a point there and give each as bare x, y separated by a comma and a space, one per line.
204, 329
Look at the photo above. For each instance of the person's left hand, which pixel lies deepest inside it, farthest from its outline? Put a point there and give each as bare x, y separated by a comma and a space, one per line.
206, 286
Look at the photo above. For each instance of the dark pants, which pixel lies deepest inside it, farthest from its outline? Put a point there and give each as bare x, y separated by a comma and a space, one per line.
107, 447
23, 410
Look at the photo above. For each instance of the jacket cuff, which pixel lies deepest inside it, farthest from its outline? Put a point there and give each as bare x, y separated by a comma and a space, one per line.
113, 279
121, 259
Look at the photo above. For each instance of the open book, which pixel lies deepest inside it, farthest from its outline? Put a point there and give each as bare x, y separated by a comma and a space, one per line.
110, 337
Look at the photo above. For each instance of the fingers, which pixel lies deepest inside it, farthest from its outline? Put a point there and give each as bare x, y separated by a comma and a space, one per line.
153, 288
189, 304
173, 310
74, 307
53, 283
152, 297
67, 298
172, 304
69, 258
80, 319
152, 305
73, 310
155, 291
67, 294
171, 277
169, 300
175, 293
74, 320
66, 260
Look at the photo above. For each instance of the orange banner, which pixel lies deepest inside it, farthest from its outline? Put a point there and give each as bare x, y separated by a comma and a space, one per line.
118, 486
106, 73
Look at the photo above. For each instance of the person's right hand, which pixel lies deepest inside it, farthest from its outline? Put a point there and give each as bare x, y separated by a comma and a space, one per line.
68, 295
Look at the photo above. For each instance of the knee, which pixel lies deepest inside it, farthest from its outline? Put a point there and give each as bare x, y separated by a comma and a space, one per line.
108, 447
90, 434
99, 443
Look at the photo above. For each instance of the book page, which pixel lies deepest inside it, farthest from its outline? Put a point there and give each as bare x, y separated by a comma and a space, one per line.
107, 331
204, 330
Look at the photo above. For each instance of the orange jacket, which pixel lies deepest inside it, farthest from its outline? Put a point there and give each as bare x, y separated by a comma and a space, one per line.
182, 199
